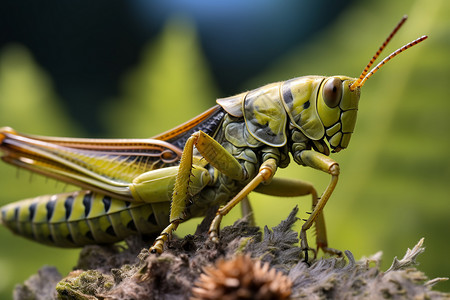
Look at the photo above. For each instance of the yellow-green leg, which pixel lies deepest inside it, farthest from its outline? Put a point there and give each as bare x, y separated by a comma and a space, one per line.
288, 187
265, 174
326, 164
213, 153
285, 187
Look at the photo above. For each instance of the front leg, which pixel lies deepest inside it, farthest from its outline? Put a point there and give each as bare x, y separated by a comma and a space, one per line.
324, 163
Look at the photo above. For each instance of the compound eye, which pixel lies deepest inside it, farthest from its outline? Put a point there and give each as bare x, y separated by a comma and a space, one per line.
332, 92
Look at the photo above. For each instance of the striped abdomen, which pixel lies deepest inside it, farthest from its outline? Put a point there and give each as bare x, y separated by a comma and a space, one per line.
83, 217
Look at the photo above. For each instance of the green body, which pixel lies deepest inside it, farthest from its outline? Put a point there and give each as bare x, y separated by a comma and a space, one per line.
133, 191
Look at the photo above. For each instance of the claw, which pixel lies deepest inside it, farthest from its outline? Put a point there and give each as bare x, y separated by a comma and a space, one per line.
214, 229
158, 245
305, 251
306, 257
154, 251
213, 236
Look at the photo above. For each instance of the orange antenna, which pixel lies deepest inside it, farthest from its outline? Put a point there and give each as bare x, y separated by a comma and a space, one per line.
388, 58
366, 69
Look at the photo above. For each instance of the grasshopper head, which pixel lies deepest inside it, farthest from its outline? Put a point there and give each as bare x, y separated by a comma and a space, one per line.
337, 106
322, 107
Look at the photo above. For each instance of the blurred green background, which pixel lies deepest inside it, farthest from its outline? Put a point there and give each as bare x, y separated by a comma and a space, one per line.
175, 59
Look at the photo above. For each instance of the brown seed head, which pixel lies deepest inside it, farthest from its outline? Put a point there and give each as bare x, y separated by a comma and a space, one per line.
241, 278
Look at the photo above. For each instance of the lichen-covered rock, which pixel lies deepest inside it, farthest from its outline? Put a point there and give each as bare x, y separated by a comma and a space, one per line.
133, 273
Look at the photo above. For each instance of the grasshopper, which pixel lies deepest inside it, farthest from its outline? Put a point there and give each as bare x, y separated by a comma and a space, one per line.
150, 186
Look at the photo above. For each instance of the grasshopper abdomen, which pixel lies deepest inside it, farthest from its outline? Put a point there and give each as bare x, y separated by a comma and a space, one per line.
81, 218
